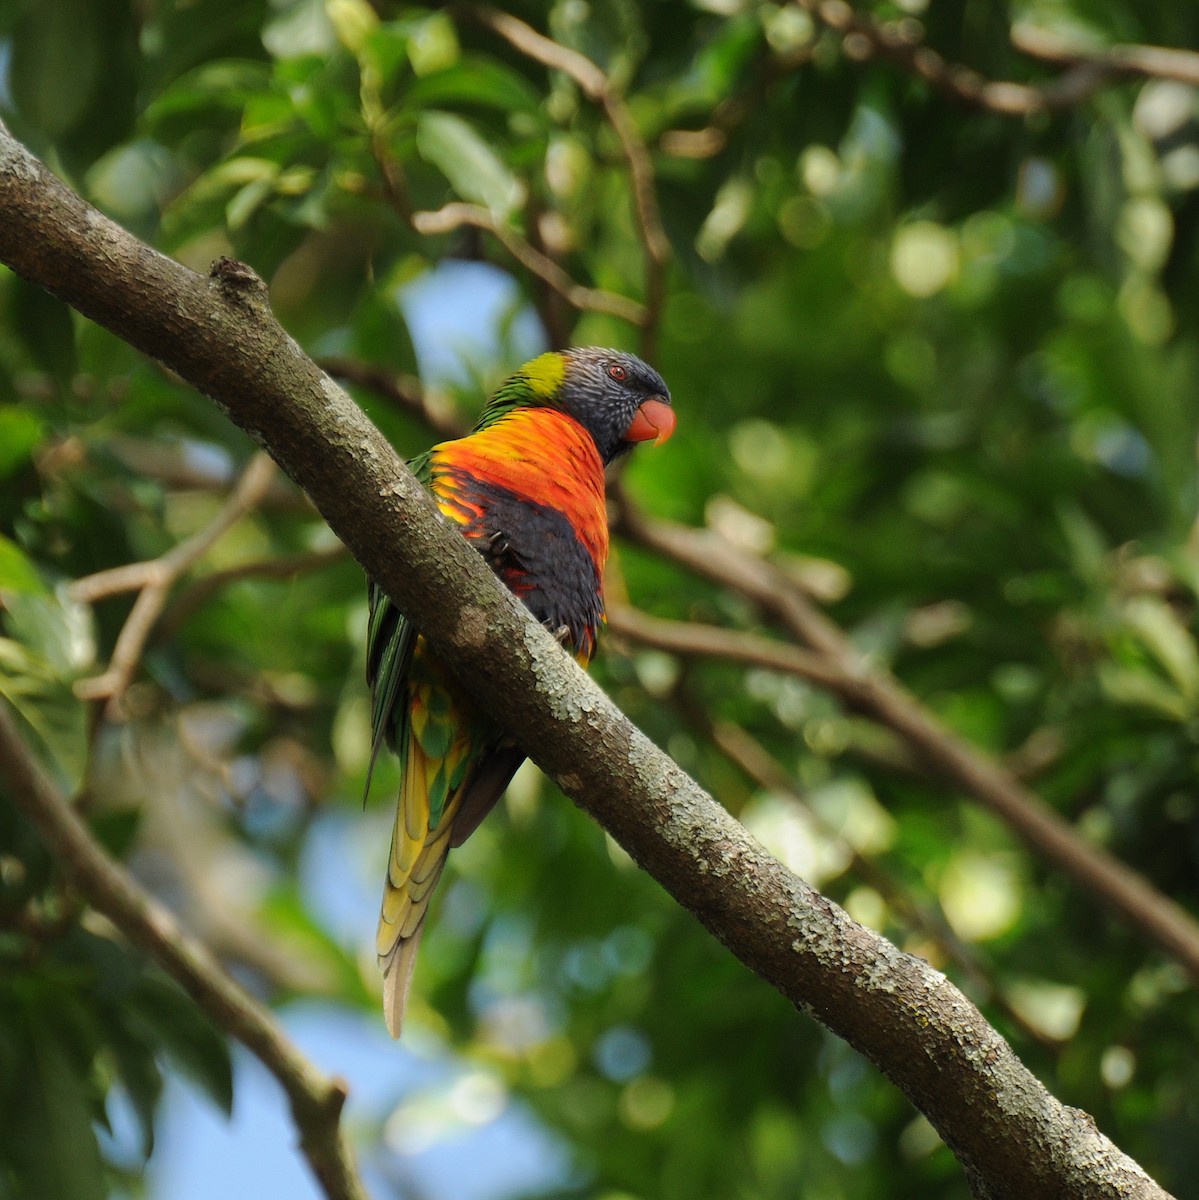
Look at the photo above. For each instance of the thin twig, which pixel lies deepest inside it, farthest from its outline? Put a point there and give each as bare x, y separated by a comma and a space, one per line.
557, 316
175, 466
458, 214
901, 42
880, 695
154, 580
284, 567
316, 1101
710, 641
404, 391
598, 87
1121, 60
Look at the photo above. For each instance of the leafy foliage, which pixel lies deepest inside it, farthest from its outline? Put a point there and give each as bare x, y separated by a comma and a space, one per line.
938, 361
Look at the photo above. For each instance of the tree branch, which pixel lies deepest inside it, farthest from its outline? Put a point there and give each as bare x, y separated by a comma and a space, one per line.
832, 659
901, 43
282, 567
598, 87
710, 641
1013, 1137
927, 919
316, 1101
1118, 61
460, 215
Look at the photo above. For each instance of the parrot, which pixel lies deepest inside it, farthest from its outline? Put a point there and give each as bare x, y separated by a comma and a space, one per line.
526, 488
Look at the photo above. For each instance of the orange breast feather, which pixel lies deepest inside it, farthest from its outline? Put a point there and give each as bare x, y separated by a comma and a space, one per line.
540, 454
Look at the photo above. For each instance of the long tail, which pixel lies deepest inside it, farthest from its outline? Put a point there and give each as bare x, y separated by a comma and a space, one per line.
417, 857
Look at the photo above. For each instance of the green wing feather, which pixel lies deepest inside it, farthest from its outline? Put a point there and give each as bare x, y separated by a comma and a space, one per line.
390, 644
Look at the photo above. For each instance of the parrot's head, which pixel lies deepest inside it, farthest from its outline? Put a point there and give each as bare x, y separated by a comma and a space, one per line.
616, 397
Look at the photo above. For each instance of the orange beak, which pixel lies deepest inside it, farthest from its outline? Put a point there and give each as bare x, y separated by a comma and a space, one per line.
654, 421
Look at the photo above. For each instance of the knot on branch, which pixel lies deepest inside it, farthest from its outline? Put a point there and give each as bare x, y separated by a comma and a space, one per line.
239, 283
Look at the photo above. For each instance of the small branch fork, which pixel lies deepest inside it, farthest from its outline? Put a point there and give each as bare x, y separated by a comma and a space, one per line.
153, 581
459, 214
316, 1101
462, 215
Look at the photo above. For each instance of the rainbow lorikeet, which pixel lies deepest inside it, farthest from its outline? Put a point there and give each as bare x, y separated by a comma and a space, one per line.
526, 488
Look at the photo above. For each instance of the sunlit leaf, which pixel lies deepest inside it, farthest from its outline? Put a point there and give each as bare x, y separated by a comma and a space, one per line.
467, 161
20, 432
1170, 642
17, 573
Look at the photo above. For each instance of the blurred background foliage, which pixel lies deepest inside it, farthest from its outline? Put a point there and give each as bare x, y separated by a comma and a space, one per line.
936, 359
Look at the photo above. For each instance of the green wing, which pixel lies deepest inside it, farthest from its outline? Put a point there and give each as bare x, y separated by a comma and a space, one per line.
390, 644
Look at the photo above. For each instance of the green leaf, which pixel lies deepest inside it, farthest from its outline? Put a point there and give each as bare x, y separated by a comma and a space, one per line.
20, 432
137, 1068
74, 74
208, 92
17, 573
432, 44
1167, 639
50, 709
187, 1036
468, 162
380, 332
476, 81
353, 22
54, 629
45, 325
247, 201
50, 1133
50, 642
1144, 689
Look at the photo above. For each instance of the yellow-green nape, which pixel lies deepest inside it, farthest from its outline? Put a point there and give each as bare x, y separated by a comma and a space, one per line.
545, 374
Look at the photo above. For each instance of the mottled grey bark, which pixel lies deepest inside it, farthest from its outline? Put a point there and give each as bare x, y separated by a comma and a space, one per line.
1014, 1139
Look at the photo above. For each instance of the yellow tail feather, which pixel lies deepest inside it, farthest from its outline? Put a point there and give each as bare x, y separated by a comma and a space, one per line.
417, 857
397, 982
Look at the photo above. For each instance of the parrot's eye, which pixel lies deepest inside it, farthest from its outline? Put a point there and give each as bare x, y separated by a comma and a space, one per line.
616, 371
